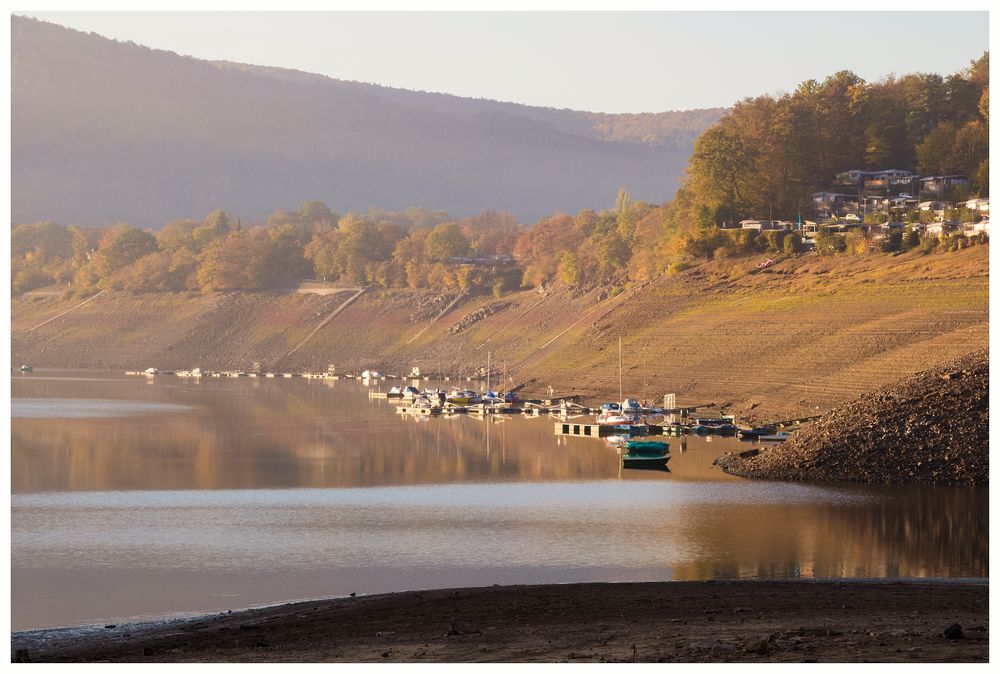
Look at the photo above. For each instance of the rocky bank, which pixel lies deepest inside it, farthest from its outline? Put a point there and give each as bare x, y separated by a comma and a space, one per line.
929, 428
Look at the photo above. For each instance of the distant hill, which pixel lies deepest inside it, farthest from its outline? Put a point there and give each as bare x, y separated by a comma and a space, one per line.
105, 130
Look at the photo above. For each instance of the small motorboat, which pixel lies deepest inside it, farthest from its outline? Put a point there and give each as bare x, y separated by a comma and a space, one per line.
774, 437
27, 368
645, 454
754, 433
463, 397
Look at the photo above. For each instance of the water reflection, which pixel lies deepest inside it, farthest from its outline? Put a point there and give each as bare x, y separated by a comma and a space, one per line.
205, 508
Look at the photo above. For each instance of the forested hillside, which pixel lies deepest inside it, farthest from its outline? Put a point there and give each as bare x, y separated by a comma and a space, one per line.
769, 154
89, 111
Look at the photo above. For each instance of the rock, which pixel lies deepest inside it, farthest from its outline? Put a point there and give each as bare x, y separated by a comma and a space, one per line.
953, 631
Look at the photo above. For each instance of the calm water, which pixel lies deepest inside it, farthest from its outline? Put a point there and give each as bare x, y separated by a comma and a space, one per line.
137, 497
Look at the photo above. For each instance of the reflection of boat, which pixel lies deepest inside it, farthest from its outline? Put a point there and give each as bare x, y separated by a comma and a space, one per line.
646, 454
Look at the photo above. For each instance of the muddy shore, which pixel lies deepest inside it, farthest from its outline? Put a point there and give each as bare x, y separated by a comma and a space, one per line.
699, 621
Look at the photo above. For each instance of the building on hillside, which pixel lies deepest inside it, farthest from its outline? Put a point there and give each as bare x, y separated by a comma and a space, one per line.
889, 179
980, 205
938, 184
939, 228
976, 228
903, 201
854, 177
766, 225
828, 204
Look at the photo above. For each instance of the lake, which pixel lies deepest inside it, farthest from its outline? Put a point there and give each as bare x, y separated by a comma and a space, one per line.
138, 497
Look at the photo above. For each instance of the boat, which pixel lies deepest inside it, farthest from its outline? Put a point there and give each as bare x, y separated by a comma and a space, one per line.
752, 433
611, 414
491, 399
463, 397
774, 437
27, 368
646, 454
410, 392
631, 406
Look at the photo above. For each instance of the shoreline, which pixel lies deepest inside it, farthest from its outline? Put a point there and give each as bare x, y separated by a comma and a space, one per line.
683, 621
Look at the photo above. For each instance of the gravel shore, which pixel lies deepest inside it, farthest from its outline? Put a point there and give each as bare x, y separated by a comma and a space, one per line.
930, 428
700, 621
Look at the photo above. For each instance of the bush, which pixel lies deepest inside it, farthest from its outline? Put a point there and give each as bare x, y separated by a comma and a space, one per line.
793, 244
928, 244
828, 243
893, 242
910, 239
677, 268
723, 252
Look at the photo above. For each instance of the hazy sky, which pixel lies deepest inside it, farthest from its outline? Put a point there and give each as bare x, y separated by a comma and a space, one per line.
608, 62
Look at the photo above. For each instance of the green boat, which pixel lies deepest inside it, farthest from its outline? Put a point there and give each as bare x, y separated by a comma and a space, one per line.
646, 454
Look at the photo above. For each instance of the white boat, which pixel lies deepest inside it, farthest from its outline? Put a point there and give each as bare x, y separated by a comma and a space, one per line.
463, 397
774, 437
611, 414
631, 406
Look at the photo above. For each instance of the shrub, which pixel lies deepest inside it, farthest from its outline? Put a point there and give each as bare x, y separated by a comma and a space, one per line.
792, 244
676, 268
927, 244
828, 243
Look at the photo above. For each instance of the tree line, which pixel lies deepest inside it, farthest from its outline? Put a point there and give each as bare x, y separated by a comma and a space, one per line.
768, 154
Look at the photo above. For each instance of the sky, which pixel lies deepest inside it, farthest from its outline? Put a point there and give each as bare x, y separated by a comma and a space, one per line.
596, 61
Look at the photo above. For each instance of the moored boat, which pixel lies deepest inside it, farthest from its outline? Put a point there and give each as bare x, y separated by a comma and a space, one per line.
646, 454
611, 414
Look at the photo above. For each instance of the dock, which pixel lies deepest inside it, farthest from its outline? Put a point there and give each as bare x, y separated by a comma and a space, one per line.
604, 430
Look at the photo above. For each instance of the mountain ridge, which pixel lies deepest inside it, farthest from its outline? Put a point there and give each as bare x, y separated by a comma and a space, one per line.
106, 130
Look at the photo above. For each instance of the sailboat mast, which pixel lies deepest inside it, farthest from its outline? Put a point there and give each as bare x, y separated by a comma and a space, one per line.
487, 371
620, 369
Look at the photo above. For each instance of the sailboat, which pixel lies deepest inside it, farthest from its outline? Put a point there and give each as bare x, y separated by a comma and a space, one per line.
619, 414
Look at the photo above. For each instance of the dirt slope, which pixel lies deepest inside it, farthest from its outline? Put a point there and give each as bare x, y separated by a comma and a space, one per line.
801, 337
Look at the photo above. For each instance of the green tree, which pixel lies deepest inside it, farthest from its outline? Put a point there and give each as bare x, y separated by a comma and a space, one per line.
792, 244
445, 242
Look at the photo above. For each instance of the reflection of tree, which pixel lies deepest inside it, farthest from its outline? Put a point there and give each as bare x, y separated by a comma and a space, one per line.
899, 532
260, 434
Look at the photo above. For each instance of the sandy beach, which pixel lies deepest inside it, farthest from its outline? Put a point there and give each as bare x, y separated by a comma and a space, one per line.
702, 621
